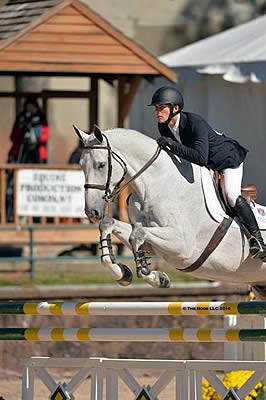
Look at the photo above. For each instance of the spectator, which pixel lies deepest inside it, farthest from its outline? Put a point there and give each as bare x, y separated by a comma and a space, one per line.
29, 135
29, 139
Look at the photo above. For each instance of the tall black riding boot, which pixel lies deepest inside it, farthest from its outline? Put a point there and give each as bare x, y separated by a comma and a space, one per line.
243, 211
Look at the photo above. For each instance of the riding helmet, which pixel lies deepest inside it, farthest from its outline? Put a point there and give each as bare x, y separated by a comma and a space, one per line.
167, 95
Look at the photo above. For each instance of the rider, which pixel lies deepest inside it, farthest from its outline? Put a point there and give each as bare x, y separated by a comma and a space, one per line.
190, 137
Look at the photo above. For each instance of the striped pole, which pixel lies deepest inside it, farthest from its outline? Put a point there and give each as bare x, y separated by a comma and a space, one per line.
134, 308
133, 335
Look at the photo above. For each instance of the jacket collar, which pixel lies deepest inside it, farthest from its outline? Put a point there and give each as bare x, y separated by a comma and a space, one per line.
183, 120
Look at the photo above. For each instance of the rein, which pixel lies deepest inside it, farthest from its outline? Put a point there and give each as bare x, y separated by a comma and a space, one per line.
110, 196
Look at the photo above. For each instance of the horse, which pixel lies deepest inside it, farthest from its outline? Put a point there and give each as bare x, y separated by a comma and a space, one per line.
166, 210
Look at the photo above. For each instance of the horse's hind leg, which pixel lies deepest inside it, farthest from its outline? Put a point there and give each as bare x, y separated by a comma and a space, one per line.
140, 249
120, 272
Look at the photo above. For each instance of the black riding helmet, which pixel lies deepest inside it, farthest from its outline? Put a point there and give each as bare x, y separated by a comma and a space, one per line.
168, 95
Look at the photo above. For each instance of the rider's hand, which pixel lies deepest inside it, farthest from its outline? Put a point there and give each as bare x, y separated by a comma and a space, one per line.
165, 142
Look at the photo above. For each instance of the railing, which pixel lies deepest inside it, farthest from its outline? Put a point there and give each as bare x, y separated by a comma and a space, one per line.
25, 235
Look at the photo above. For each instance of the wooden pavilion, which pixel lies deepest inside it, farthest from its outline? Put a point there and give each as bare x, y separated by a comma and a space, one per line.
67, 38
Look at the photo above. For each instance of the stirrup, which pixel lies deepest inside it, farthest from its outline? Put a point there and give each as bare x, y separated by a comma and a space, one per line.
256, 249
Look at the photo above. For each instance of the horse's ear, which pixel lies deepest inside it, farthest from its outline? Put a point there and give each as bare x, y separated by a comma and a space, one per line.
98, 134
84, 136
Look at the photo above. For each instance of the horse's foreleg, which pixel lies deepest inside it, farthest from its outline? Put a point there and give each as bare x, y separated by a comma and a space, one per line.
154, 278
120, 272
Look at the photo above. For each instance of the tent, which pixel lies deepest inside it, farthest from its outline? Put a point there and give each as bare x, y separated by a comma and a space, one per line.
239, 53
223, 78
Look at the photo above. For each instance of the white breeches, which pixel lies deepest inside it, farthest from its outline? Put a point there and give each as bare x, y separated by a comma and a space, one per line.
232, 183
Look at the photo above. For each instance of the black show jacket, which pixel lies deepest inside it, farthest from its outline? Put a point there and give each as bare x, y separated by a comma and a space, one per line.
202, 145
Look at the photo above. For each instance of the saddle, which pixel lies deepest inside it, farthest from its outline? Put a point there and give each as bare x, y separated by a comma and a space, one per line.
249, 192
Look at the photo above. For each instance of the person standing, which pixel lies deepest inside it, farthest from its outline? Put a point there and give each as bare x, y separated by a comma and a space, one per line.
29, 138
29, 135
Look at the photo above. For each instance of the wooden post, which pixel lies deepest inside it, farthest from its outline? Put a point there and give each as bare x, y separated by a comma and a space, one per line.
15, 198
93, 99
125, 100
121, 98
3, 196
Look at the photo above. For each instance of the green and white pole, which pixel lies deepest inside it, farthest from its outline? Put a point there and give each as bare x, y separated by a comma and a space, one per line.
133, 335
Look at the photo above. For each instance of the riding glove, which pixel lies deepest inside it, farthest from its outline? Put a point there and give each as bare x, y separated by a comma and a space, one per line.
165, 143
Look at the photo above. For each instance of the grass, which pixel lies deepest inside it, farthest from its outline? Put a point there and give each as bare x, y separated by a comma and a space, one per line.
76, 272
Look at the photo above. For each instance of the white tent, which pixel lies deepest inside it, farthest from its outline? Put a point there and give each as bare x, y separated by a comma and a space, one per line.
223, 78
238, 53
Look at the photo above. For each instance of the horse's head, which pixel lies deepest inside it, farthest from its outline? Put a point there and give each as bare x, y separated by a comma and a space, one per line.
101, 173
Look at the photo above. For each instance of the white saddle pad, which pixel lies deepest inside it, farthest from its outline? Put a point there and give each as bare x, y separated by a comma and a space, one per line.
215, 207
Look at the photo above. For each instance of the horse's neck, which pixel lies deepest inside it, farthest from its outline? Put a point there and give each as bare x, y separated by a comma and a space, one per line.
135, 149
163, 174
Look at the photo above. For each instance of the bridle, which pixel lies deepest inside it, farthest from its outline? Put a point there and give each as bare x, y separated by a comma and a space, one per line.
109, 196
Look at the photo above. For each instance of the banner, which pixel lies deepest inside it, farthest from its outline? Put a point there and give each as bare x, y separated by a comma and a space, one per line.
50, 193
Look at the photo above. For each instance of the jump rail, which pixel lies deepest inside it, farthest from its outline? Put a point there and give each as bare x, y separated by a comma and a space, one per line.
133, 308
133, 334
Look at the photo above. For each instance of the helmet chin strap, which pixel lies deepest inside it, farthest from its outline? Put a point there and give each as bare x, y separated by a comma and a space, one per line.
172, 114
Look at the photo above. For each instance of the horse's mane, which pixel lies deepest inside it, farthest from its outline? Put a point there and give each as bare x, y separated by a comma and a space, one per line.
123, 133
147, 146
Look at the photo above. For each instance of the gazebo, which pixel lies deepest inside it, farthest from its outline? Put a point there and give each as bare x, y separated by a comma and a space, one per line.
67, 38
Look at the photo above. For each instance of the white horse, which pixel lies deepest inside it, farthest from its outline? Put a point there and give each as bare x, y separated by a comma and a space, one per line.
167, 211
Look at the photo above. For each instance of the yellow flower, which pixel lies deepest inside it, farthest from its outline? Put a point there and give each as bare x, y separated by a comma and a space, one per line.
234, 379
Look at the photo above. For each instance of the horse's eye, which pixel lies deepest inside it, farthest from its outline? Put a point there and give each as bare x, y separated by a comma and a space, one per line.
101, 165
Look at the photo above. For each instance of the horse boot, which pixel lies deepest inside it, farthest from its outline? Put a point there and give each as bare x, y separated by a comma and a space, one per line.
242, 210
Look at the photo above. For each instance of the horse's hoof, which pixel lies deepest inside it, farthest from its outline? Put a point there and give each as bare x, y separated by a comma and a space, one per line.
127, 275
164, 280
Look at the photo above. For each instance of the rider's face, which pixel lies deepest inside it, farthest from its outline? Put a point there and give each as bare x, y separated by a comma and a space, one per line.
162, 112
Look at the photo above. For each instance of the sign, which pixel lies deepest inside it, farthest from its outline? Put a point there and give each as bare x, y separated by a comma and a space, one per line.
50, 193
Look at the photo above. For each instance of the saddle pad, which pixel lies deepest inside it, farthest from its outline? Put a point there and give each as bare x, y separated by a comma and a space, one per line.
215, 207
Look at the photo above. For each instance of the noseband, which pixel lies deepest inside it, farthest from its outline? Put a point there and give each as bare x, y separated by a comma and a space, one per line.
110, 196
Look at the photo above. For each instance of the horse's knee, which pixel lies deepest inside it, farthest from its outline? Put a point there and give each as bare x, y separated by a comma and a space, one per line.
106, 224
137, 237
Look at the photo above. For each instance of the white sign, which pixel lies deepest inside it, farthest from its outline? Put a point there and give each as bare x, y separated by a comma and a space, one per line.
50, 193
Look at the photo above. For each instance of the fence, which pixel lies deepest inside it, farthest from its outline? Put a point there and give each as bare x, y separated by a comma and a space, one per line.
107, 373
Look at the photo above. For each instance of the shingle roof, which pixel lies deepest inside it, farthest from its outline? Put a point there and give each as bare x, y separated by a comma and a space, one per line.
15, 15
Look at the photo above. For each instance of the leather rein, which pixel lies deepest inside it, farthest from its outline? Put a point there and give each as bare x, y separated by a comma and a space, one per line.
109, 196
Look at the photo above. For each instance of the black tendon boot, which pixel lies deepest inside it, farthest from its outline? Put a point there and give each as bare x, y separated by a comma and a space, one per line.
242, 210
